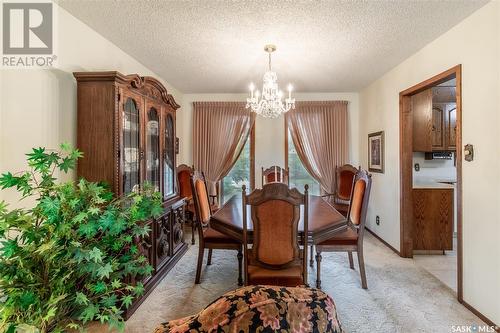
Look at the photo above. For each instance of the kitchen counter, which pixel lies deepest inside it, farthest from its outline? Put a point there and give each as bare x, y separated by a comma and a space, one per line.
431, 185
434, 183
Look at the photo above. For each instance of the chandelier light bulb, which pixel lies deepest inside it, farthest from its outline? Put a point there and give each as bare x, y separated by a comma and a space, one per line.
252, 87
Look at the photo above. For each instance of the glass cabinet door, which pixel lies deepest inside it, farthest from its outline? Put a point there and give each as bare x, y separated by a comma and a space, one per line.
153, 148
168, 163
131, 147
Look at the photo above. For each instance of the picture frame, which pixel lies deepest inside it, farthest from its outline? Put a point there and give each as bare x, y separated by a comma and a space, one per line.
376, 156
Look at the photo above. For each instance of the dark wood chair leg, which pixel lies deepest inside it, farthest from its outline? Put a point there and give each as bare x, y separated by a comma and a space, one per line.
209, 260
351, 261
361, 263
240, 267
311, 261
201, 252
193, 229
318, 269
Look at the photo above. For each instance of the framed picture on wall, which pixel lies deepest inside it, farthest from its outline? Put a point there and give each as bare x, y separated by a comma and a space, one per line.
376, 152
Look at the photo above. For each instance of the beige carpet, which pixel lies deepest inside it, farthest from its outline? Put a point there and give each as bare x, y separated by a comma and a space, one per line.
401, 296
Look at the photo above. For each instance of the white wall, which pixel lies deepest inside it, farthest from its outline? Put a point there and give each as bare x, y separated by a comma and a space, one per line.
269, 133
474, 43
432, 170
38, 107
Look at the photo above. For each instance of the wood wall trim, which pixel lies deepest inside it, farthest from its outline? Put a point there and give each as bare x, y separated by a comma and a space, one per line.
481, 316
383, 241
435, 80
405, 161
252, 157
285, 118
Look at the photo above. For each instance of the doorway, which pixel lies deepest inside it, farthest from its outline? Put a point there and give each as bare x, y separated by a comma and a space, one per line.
436, 144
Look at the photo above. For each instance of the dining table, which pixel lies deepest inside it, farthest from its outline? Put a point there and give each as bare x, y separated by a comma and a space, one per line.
324, 220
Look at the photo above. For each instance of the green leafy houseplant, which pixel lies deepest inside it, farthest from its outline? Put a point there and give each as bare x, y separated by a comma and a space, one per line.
71, 258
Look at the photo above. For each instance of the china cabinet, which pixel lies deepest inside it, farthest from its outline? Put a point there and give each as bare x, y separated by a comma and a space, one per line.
126, 130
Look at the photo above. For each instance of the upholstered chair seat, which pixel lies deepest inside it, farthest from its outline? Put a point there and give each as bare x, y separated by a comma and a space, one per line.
346, 237
341, 207
213, 236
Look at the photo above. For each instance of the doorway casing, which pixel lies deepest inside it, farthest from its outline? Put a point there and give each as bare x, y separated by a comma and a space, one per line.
406, 162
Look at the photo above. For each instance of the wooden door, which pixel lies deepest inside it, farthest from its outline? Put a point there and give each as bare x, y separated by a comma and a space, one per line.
433, 219
421, 104
131, 152
438, 113
451, 127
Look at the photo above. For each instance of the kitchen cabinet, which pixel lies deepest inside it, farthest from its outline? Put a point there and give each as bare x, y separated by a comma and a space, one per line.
421, 104
434, 124
437, 132
451, 112
433, 219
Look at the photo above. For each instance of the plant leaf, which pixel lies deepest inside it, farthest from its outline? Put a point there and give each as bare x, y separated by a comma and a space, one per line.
104, 271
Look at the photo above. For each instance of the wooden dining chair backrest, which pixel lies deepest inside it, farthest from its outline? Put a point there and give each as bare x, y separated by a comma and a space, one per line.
359, 200
202, 206
184, 180
344, 180
275, 213
274, 174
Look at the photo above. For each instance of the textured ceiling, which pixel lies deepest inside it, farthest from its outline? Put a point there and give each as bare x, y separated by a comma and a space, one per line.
212, 46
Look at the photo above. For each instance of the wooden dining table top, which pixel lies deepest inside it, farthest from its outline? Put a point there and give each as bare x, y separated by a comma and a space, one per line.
324, 220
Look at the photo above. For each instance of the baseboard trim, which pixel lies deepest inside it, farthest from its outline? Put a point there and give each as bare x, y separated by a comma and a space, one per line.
481, 316
464, 303
383, 241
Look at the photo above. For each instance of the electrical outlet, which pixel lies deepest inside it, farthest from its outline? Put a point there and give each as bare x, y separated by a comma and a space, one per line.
377, 220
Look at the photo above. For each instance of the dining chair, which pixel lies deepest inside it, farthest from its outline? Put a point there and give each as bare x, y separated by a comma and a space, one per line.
274, 174
275, 257
184, 184
351, 239
339, 199
209, 238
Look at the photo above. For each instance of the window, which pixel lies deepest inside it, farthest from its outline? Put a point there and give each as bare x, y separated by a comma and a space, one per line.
298, 175
242, 172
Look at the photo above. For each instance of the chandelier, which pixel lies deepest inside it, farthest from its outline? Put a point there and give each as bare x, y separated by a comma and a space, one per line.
270, 104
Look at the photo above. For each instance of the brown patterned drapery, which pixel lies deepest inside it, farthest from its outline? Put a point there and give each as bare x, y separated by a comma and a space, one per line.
319, 133
220, 131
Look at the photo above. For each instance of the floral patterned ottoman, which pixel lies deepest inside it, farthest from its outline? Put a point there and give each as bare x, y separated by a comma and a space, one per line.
262, 309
